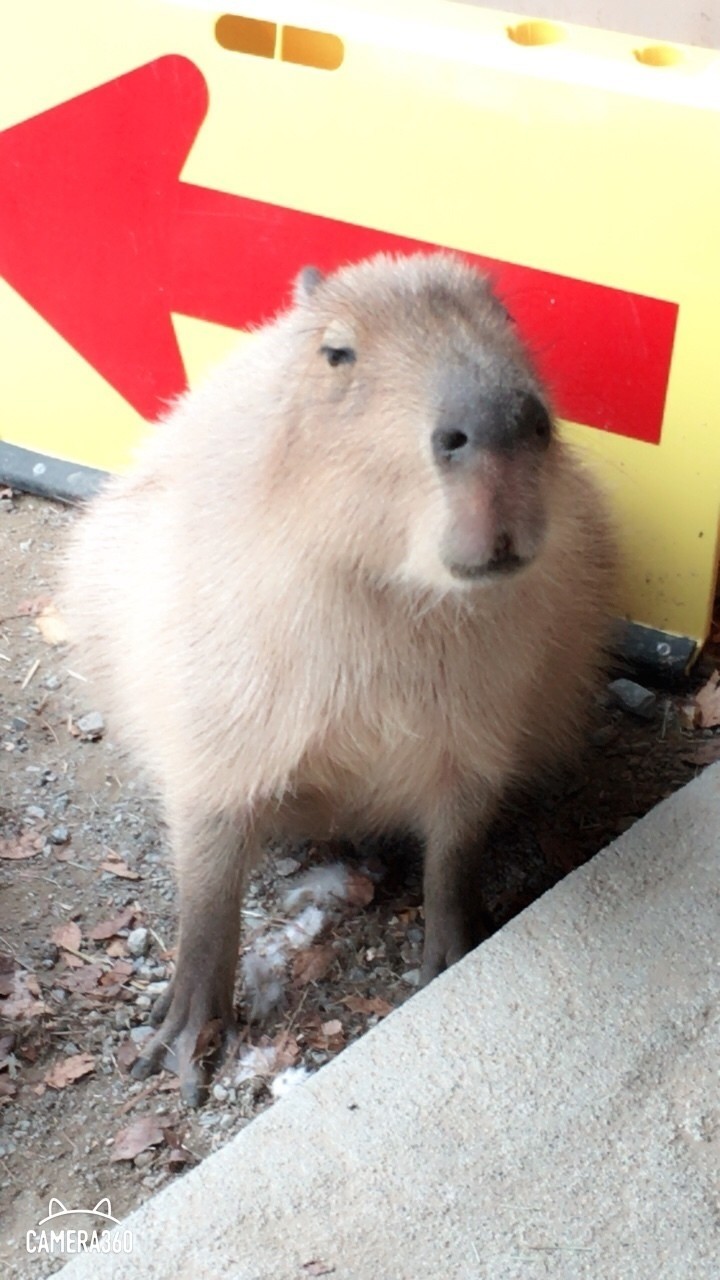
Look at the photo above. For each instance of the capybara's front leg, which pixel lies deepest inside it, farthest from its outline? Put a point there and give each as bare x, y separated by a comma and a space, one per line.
455, 917
195, 1015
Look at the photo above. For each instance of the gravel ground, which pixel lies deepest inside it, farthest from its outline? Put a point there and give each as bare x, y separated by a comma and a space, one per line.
87, 916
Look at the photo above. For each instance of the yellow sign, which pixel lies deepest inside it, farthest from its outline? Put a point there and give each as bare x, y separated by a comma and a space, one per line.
166, 168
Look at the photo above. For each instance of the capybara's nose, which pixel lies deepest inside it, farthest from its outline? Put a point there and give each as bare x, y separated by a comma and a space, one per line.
505, 422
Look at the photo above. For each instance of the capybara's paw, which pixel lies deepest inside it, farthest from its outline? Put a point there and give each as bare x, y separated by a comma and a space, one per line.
449, 938
193, 1034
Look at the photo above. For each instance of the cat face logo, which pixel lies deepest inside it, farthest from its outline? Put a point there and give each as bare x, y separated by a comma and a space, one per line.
56, 1209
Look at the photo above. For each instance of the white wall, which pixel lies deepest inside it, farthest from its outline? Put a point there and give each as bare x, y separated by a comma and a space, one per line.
688, 23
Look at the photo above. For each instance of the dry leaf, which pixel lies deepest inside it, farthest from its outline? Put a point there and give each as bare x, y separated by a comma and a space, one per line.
333, 1035
121, 970
173, 1138
312, 964
116, 948
22, 995
67, 935
146, 1132
26, 845
127, 1053
7, 969
687, 714
52, 628
119, 868
317, 1268
64, 852
114, 981
177, 1158
408, 915
83, 980
287, 1050
6, 1050
367, 1004
209, 1040
360, 889
705, 753
66, 1070
8, 1089
109, 928
707, 701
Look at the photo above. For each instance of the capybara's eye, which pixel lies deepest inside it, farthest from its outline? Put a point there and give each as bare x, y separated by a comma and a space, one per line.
338, 355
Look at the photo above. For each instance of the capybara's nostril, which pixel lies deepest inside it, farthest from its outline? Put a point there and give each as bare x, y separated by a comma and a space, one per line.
449, 443
503, 549
533, 422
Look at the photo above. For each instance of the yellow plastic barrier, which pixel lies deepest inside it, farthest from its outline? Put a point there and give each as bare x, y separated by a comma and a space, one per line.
165, 168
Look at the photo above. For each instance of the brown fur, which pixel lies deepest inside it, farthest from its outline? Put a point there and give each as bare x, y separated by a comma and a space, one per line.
266, 604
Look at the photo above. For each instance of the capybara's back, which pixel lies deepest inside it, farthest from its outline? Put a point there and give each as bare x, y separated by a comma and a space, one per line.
354, 582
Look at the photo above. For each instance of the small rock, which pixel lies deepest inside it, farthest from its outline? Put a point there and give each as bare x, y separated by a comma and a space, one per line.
144, 1002
139, 1035
90, 726
143, 1159
138, 942
156, 988
52, 682
633, 697
34, 811
412, 977
287, 866
59, 835
18, 724
220, 1093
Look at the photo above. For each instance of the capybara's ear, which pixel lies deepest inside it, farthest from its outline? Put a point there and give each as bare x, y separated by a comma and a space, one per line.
306, 283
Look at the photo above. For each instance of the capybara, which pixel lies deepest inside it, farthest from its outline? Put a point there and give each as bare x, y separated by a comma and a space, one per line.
353, 583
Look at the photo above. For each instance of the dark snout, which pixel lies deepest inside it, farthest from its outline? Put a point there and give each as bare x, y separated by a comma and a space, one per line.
505, 421
489, 451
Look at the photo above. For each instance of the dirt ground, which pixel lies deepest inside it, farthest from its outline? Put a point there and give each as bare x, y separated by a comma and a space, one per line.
87, 916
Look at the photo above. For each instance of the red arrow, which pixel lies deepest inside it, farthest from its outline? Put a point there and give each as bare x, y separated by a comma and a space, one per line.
100, 236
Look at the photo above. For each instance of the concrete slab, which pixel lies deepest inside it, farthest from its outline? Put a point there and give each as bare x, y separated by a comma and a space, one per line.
549, 1107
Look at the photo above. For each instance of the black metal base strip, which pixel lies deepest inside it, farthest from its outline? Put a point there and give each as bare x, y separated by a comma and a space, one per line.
655, 651
49, 477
